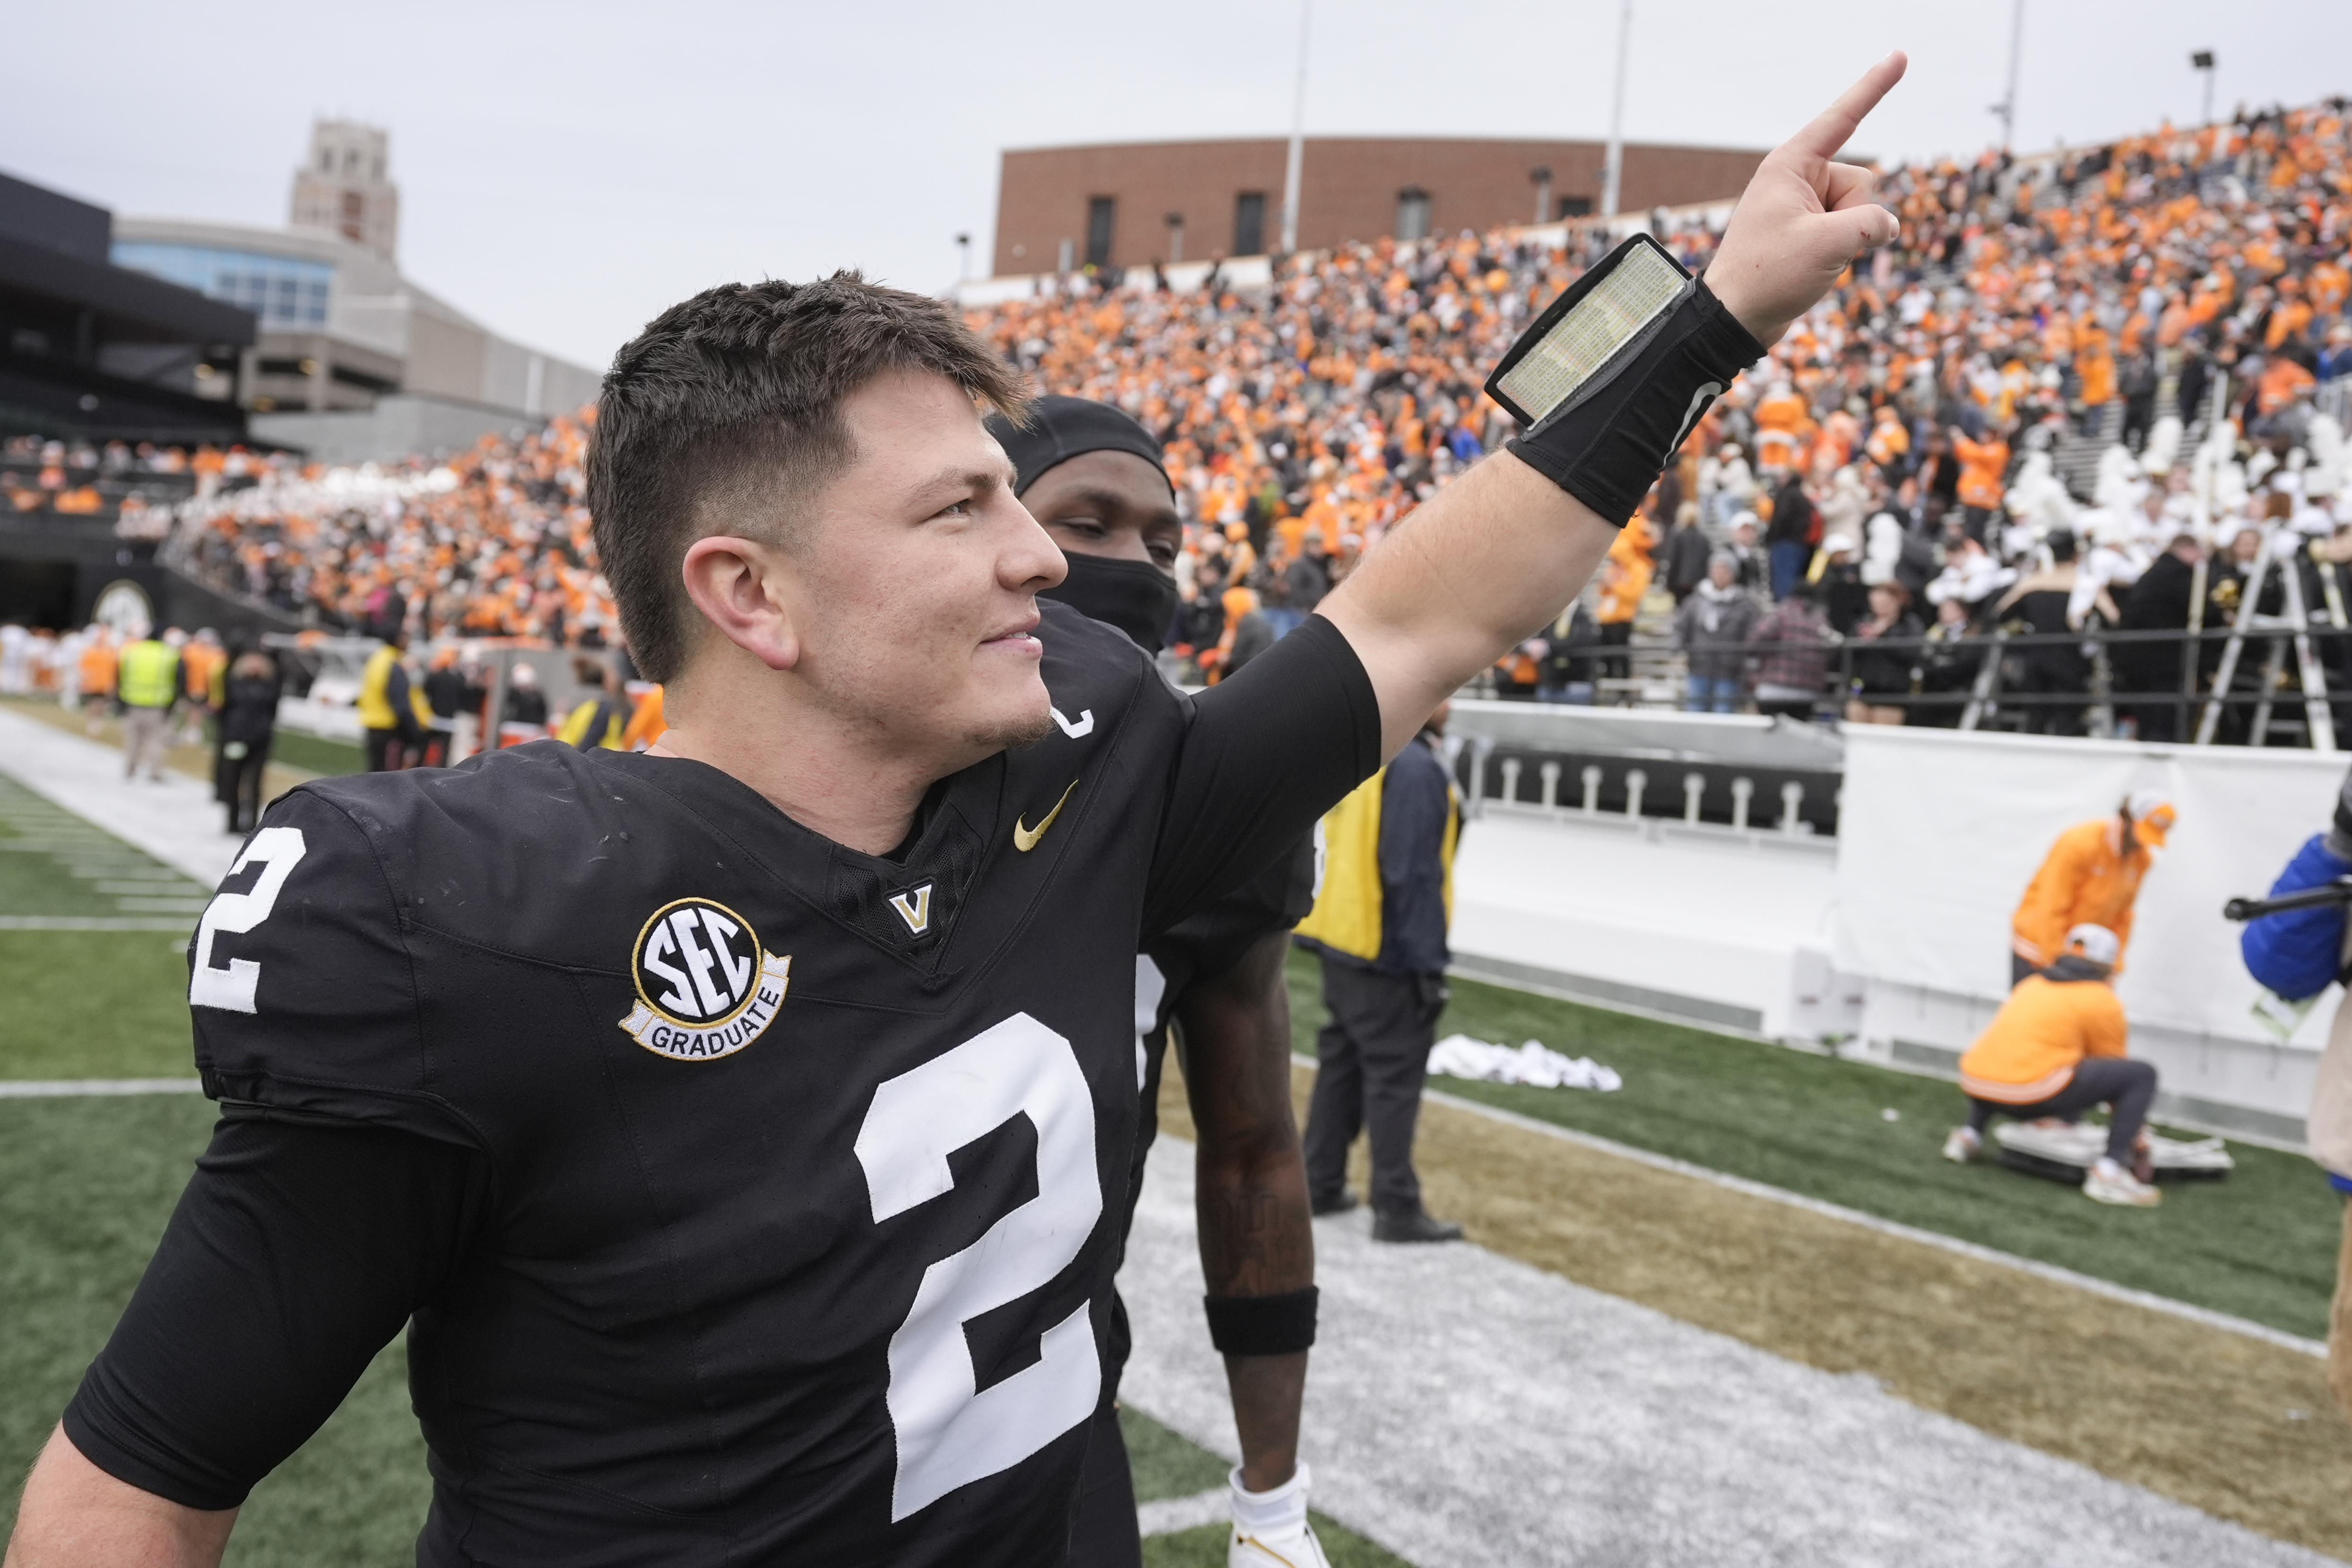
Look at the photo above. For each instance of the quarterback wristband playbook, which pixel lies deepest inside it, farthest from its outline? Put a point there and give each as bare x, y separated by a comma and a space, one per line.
1261, 1325
1615, 372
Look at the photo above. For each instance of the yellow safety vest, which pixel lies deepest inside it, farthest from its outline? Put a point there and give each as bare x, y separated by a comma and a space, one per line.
574, 732
149, 675
1347, 913
375, 702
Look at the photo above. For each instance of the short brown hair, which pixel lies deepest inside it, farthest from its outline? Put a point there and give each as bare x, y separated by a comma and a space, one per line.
725, 413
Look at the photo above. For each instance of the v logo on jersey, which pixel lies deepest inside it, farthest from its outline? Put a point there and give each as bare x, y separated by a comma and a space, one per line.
1079, 730
1025, 838
915, 908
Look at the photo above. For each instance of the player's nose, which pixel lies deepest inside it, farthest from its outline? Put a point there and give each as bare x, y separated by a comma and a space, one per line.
1029, 560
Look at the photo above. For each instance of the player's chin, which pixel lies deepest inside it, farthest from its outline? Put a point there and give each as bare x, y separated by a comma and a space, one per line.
1008, 712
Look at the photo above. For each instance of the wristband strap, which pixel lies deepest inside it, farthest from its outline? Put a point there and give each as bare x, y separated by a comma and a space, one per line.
1612, 377
1261, 1325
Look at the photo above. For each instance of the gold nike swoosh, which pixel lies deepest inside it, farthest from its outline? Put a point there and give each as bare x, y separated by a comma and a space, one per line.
1025, 839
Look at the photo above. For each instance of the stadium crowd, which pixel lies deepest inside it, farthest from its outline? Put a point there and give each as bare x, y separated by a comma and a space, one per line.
1896, 459
2066, 373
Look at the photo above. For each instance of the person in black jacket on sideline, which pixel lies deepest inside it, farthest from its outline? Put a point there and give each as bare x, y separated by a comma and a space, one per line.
248, 724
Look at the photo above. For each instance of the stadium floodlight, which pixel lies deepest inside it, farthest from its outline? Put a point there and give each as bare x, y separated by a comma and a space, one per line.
2007, 107
1298, 137
2202, 62
1613, 168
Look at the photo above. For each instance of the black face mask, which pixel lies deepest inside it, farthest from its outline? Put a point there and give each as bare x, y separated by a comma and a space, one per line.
1135, 597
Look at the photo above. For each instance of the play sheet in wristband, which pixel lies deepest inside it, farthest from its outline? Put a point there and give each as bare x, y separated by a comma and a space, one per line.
1587, 334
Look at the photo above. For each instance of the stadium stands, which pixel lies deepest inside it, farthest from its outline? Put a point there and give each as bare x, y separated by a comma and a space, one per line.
2045, 350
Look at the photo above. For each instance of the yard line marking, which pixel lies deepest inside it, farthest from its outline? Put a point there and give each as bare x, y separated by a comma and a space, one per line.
2050, 1271
96, 922
1169, 1515
66, 1088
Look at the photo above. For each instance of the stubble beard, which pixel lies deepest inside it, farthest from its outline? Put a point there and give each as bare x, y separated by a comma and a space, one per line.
1008, 734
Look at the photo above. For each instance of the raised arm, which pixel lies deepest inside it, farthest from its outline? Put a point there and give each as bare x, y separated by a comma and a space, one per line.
1497, 553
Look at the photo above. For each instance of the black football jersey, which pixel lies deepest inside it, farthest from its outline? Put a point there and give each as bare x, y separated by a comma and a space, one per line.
808, 1165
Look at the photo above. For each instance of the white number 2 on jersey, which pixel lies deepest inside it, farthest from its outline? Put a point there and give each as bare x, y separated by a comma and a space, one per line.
949, 1434
232, 988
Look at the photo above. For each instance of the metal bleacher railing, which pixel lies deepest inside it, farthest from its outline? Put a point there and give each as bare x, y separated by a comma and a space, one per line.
2269, 682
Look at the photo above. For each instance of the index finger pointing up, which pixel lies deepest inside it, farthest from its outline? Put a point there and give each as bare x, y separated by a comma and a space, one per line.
1834, 126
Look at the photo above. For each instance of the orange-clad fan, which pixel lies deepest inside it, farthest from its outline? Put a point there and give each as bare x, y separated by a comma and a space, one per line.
2056, 1048
97, 672
1623, 579
2091, 876
646, 724
1982, 466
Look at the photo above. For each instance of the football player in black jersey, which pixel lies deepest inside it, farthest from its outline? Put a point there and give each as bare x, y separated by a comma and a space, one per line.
739, 1127
1096, 481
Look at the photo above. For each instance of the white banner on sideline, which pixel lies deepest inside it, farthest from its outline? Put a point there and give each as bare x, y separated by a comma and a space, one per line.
1939, 832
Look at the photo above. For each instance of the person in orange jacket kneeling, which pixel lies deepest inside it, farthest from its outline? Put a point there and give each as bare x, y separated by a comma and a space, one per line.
2056, 1048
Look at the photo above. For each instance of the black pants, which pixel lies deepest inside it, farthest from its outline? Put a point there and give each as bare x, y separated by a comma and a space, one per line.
1616, 665
389, 749
1374, 1054
2126, 1085
2052, 677
236, 784
1103, 1533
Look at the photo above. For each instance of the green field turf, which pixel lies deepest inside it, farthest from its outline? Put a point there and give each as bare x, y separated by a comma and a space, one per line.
88, 1003
2260, 1245
84, 1187
316, 753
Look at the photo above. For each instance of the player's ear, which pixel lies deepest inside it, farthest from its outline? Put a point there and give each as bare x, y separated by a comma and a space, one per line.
738, 586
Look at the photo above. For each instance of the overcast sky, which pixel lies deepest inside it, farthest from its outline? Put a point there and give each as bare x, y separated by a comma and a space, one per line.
566, 172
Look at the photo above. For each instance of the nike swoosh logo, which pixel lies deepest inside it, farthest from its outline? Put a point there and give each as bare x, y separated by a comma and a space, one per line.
1025, 838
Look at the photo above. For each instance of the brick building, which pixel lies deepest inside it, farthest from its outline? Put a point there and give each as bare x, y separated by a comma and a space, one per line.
1125, 205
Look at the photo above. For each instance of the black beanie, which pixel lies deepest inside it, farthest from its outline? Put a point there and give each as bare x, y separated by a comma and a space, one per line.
1060, 428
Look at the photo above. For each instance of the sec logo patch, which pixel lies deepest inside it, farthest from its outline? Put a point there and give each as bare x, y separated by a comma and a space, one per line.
705, 989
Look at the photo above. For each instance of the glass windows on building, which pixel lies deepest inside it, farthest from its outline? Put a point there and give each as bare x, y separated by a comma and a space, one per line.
1102, 214
1249, 223
1413, 213
285, 292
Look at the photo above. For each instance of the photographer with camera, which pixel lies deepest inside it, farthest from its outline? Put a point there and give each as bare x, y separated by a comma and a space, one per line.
2298, 952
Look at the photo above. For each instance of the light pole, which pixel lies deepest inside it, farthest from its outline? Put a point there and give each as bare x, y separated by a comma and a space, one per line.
1297, 138
1614, 167
1540, 177
963, 258
2007, 107
2202, 62
1175, 222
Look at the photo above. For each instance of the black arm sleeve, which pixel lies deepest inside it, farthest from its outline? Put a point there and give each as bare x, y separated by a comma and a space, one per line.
1265, 754
295, 1254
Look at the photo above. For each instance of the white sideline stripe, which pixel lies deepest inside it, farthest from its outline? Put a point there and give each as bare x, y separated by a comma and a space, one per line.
1953, 1244
68, 1087
1169, 1515
98, 922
